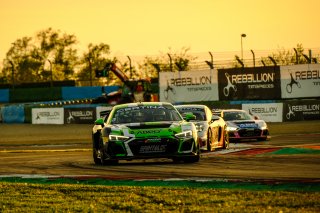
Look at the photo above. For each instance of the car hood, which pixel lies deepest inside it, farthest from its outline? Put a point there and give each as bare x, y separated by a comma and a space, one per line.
152, 129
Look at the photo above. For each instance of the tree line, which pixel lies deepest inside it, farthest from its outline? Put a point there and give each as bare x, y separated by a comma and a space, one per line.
52, 56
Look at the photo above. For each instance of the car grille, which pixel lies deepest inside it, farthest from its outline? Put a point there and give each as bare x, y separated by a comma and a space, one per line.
249, 132
143, 147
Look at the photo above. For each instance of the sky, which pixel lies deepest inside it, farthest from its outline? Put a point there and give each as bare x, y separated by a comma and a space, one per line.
152, 27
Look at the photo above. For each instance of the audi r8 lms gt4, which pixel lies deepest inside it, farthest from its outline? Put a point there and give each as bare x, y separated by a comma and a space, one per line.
144, 130
241, 125
212, 132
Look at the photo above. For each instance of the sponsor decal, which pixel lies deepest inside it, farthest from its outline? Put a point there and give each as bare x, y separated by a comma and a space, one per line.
189, 81
53, 115
249, 125
141, 132
190, 109
139, 108
156, 148
260, 110
229, 86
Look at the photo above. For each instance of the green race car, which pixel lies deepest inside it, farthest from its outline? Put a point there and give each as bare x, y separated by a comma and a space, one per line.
144, 130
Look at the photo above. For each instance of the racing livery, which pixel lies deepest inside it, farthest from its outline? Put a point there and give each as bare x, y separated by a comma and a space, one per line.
144, 130
241, 125
211, 129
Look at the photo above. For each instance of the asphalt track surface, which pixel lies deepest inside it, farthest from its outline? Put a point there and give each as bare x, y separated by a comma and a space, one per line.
65, 151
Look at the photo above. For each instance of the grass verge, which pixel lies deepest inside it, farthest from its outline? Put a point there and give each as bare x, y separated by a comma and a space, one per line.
30, 197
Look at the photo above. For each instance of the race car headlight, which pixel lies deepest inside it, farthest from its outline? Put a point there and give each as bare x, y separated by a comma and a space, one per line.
231, 128
199, 127
186, 134
263, 127
118, 138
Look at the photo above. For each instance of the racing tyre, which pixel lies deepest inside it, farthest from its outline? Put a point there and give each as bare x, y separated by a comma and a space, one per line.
209, 141
226, 140
195, 158
96, 148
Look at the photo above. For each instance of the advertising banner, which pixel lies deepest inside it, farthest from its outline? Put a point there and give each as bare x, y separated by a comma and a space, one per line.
249, 83
100, 109
299, 110
47, 115
188, 86
300, 81
269, 112
79, 115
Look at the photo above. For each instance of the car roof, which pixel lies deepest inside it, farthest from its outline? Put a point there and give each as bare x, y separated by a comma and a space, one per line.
191, 105
228, 110
142, 104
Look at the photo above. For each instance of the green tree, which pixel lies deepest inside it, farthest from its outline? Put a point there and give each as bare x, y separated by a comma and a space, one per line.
171, 61
19, 64
95, 58
287, 57
37, 59
58, 49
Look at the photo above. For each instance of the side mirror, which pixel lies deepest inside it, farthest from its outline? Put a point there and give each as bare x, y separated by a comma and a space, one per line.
255, 117
189, 117
99, 121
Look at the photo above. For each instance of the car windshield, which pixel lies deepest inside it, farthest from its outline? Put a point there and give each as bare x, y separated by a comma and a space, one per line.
139, 114
198, 112
236, 115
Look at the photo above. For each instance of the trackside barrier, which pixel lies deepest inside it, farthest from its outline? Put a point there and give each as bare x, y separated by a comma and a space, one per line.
79, 115
71, 93
291, 110
47, 116
4, 95
13, 114
269, 112
298, 110
24, 95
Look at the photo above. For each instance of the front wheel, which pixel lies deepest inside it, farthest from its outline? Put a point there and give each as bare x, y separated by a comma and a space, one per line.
96, 148
226, 140
195, 158
209, 140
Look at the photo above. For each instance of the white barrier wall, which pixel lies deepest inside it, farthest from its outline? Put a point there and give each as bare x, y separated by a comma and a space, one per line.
102, 108
300, 81
269, 112
47, 116
188, 86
